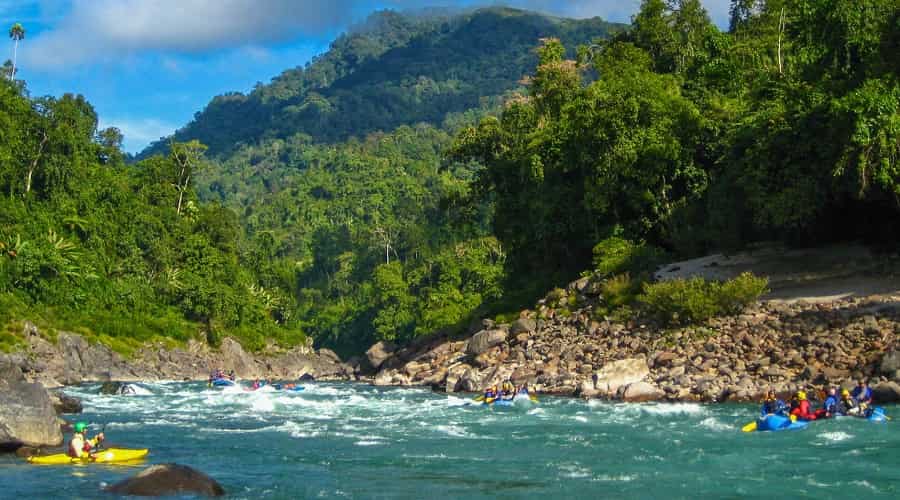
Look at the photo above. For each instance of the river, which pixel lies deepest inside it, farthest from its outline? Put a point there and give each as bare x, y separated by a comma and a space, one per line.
357, 441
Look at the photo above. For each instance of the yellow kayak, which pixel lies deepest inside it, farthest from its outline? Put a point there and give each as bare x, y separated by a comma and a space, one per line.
104, 456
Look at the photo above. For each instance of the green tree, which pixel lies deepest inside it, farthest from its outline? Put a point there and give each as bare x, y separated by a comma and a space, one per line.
16, 33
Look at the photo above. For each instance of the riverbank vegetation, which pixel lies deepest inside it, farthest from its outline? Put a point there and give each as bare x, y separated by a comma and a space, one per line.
384, 192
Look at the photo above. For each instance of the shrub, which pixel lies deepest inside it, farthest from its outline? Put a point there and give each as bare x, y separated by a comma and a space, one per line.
736, 294
693, 300
618, 291
617, 255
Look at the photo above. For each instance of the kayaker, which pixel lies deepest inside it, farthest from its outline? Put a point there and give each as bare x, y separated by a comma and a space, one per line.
862, 393
803, 410
80, 446
772, 405
831, 405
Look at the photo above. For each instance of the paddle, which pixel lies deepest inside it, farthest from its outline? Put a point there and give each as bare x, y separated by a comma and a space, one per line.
749, 427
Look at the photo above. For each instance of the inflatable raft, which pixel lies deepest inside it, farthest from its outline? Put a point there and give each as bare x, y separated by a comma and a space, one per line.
779, 423
222, 382
105, 456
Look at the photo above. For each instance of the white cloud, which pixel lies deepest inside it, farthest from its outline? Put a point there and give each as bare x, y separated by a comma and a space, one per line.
106, 30
138, 132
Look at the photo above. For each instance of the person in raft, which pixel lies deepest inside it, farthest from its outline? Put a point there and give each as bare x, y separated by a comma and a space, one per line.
772, 405
803, 411
507, 389
80, 446
862, 394
847, 405
491, 393
831, 406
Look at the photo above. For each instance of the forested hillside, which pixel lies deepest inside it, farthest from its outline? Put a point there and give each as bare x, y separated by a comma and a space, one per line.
427, 171
394, 70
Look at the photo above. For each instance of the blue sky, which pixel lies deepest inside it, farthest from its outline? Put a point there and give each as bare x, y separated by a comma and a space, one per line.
148, 65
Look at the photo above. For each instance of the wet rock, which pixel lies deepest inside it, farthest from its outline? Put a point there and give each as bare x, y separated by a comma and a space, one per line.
380, 352
484, 340
63, 403
886, 392
640, 392
168, 480
110, 388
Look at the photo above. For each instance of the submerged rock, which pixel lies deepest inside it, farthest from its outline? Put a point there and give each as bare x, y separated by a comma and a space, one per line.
168, 480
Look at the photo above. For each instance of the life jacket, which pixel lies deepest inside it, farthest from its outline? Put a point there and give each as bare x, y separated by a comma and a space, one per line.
831, 405
803, 411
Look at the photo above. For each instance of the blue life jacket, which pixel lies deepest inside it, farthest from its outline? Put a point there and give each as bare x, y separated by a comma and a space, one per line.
831, 404
777, 407
861, 395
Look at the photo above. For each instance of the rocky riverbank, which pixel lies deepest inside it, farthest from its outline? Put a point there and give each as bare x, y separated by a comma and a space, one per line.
28, 411
70, 359
566, 350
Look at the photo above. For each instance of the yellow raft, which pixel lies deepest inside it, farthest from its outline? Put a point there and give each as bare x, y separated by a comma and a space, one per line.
105, 456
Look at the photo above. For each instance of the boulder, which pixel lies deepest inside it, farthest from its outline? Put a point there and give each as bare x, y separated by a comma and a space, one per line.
27, 415
890, 363
168, 480
111, 388
233, 357
329, 355
306, 377
587, 390
484, 340
522, 325
380, 352
886, 392
640, 392
620, 373
63, 403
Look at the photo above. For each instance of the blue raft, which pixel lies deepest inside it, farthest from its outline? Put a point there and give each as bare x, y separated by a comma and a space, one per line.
779, 423
222, 382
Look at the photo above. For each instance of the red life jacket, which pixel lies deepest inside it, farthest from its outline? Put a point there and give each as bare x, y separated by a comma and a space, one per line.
802, 411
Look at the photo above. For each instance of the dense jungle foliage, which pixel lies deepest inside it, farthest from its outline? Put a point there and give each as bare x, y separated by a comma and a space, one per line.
408, 180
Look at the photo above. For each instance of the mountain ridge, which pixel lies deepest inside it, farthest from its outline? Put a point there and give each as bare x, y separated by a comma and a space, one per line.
392, 72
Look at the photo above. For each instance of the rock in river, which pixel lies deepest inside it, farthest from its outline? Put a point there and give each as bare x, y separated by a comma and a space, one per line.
27, 415
168, 480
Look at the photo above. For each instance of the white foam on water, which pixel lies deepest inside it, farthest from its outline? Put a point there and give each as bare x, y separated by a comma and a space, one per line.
864, 484
715, 425
574, 471
368, 442
835, 437
457, 431
265, 405
622, 478
812, 482
580, 418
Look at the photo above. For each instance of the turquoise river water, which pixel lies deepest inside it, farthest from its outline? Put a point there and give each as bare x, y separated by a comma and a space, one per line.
358, 441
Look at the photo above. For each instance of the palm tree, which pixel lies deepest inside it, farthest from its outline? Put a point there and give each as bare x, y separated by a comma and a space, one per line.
17, 32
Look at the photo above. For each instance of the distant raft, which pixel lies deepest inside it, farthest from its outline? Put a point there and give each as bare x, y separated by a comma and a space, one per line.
222, 382
105, 456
